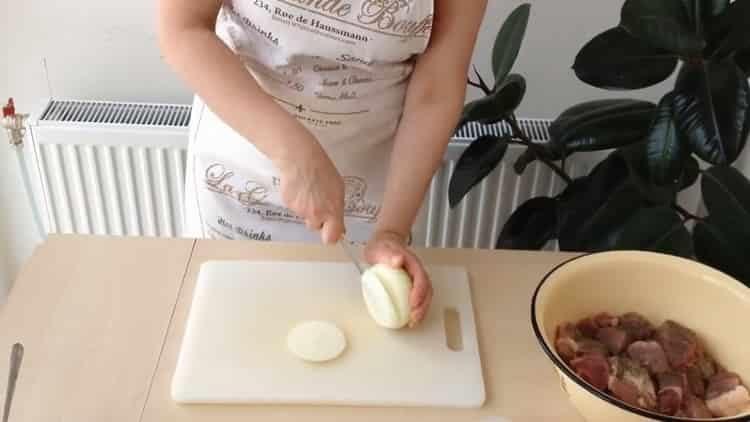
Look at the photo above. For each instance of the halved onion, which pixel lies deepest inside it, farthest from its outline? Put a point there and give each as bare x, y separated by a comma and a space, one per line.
386, 293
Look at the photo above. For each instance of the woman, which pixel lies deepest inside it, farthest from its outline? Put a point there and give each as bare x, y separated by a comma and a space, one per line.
316, 115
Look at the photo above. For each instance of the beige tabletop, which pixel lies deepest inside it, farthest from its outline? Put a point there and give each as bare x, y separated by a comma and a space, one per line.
101, 320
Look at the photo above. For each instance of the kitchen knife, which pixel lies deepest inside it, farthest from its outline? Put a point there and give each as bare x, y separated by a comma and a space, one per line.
346, 245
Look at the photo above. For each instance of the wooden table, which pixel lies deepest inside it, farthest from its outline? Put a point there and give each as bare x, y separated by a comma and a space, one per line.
101, 320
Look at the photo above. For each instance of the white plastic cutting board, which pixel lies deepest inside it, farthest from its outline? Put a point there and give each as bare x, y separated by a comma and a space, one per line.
234, 348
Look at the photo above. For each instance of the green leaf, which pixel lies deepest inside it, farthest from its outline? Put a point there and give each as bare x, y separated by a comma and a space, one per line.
730, 31
602, 124
665, 153
655, 229
510, 93
497, 106
508, 42
544, 150
531, 225
664, 24
599, 232
722, 250
702, 12
584, 197
690, 173
726, 193
712, 110
636, 156
714, 8
689, 6
477, 161
615, 59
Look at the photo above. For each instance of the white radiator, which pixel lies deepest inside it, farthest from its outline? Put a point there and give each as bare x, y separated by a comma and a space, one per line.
117, 169
112, 168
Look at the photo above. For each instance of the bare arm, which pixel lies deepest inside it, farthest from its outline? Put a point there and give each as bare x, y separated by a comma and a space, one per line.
434, 101
310, 184
216, 74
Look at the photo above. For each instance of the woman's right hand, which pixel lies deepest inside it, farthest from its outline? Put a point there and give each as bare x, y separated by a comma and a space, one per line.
312, 188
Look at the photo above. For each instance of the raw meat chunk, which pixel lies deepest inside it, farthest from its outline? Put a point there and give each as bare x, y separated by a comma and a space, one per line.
722, 383
571, 344
566, 341
624, 391
614, 338
726, 396
679, 343
649, 354
672, 388
693, 407
627, 371
606, 320
591, 347
706, 364
638, 327
696, 383
731, 403
664, 369
593, 368
588, 327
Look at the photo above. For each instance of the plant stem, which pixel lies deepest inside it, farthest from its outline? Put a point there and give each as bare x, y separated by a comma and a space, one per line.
480, 86
518, 133
687, 215
482, 83
475, 85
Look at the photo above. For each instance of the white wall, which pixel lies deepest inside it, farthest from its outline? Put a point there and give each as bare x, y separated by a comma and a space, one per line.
100, 49
94, 49
557, 30
4, 163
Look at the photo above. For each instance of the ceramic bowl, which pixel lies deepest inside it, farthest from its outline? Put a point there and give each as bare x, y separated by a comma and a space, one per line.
659, 287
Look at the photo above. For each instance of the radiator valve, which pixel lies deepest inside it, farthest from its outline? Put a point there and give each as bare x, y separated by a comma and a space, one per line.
14, 123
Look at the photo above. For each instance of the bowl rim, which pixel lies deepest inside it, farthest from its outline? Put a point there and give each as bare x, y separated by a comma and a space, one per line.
562, 366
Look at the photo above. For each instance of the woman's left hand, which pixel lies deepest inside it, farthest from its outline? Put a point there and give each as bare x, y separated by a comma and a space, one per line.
391, 249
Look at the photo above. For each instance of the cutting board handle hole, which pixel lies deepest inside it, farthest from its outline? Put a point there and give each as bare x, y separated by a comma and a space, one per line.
453, 336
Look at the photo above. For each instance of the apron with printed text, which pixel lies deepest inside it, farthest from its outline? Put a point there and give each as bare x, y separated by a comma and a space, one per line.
341, 67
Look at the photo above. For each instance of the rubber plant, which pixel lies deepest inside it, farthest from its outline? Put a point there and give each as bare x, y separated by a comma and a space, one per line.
692, 136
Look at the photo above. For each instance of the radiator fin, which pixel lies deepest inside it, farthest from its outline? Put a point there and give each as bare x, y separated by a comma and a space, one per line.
116, 113
536, 129
120, 191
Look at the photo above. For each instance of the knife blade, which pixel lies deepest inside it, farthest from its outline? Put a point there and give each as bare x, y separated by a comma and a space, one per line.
346, 245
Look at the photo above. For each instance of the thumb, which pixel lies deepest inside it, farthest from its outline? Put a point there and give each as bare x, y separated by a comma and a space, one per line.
332, 231
397, 260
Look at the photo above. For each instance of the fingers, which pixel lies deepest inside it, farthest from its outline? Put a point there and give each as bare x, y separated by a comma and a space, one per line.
314, 223
422, 287
332, 230
420, 298
418, 314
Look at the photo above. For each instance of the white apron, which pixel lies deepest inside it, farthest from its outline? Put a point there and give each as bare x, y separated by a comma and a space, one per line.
341, 67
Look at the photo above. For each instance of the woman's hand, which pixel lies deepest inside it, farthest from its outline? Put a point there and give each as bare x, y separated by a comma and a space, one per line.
312, 188
391, 249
